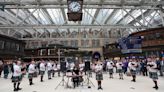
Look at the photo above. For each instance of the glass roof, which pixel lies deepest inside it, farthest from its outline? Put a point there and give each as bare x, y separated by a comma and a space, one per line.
95, 14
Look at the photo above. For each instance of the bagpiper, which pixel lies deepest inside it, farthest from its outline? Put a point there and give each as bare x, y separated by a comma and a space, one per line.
17, 75
152, 68
133, 67
42, 70
119, 66
49, 69
110, 67
99, 74
31, 71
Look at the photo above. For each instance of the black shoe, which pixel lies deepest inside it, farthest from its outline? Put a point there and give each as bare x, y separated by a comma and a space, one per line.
101, 88
15, 89
49, 78
156, 87
133, 80
31, 83
19, 88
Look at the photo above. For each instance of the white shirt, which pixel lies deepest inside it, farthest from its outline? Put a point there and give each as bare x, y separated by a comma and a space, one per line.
72, 66
119, 65
93, 67
132, 65
110, 65
31, 68
49, 66
42, 67
98, 67
58, 66
153, 68
81, 66
162, 63
17, 71
55, 67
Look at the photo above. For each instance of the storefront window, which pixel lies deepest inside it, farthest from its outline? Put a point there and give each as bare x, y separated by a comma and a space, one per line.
2, 45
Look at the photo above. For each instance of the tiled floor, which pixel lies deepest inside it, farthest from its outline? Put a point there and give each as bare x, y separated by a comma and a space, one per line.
143, 84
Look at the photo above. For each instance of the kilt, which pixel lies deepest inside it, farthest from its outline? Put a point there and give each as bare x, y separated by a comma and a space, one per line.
53, 71
110, 70
153, 75
133, 72
35, 74
119, 70
16, 78
42, 73
99, 76
49, 72
75, 79
30, 75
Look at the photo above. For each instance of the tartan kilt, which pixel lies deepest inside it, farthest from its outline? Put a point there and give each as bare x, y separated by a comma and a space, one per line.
99, 76
16, 78
153, 75
53, 71
35, 74
133, 72
30, 75
42, 73
110, 70
119, 70
49, 72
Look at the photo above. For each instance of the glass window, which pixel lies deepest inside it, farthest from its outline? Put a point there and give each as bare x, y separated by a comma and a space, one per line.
65, 43
7, 45
2, 44
13, 47
43, 52
74, 43
95, 43
53, 51
17, 47
85, 43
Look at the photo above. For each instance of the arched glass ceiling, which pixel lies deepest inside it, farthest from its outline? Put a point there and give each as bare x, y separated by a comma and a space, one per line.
95, 12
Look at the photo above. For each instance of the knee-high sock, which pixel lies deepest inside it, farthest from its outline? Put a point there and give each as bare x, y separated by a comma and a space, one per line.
18, 84
134, 78
99, 83
30, 81
15, 85
41, 78
155, 82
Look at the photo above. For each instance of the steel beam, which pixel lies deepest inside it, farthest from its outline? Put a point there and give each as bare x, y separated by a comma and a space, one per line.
108, 2
124, 17
28, 26
51, 39
85, 7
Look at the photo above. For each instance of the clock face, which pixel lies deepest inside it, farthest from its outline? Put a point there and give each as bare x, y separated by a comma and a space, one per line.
74, 6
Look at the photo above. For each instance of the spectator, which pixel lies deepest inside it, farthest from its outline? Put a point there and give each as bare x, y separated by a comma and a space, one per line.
1, 67
6, 70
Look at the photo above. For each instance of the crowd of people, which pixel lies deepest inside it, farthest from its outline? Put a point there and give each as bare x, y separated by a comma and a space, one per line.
131, 66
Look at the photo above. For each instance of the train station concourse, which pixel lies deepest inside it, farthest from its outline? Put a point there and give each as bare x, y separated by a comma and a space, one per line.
81, 45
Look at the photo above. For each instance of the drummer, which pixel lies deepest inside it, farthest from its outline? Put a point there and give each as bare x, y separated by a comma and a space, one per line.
75, 78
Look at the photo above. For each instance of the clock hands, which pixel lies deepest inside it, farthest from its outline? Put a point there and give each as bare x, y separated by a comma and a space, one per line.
75, 6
